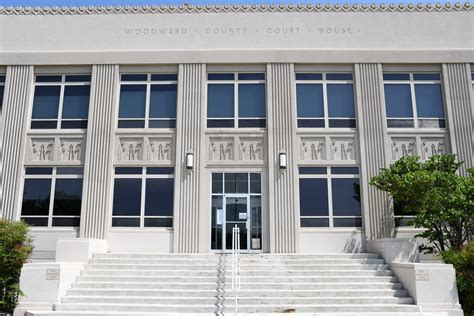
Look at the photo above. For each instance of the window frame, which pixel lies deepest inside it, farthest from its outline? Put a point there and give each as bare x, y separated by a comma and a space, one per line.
329, 176
62, 84
236, 82
143, 176
53, 176
3, 78
325, 82
412, 82
148, 82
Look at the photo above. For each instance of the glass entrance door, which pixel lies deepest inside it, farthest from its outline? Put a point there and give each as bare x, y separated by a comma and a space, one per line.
236, 200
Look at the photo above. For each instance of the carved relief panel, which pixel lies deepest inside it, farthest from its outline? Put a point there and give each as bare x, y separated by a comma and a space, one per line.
313, 148
251, 148
130, 149
432, 146
160, 149
221, 148
55, 150
342, 149
41, 149
403, 147
70, 149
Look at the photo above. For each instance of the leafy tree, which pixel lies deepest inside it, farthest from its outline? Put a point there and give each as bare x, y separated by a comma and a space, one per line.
441, 199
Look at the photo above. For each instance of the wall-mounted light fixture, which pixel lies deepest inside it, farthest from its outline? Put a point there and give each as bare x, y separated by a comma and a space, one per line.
189, 161
282, 160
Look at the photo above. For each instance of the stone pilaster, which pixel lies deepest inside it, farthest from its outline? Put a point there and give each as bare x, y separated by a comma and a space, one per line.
190, 126
378, 214
98, 173
18, 91
460, 112
283, 199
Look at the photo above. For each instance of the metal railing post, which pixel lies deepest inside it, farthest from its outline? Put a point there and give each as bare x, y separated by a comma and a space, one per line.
235, 264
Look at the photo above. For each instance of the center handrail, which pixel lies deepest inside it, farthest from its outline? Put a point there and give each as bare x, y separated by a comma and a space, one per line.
235, 264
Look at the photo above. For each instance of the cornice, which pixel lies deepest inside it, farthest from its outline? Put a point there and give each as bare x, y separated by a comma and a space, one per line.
253, 8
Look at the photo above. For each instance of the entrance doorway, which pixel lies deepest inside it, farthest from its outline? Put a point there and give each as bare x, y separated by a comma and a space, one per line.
236, 201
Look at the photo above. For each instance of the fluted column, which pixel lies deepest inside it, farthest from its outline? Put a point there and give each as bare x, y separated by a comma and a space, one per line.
378, 214
18, 90
460, 112
283, 201
95, 215
190, 127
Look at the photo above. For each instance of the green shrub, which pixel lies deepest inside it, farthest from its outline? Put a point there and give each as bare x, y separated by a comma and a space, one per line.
463, 262
15, 248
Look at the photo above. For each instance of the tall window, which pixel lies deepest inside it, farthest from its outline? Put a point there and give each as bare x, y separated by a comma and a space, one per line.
148, 101
143, 197
52, 196
61, 101
2, 90
325, 100
414, 100
330, 197
236, 100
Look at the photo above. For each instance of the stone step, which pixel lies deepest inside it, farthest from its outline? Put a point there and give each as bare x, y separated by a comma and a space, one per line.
156, 308
245, 286
244, 279
261, 256
241, 300
103, 313
242, 293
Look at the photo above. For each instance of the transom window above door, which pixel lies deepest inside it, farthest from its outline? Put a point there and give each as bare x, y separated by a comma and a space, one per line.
148, 101
325, 100
414, 100
62, 99
236, 100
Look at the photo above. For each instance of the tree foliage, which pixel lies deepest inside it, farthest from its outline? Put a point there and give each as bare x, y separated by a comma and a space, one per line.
441, 199
15, 247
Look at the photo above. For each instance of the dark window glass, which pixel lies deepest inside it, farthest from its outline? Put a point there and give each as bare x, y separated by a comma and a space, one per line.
46, 102
432, 123
220, 100
255, 183
66, 221
309, 100
345, 197
236, 183
314, 197
340, 100
309, 123
348, 222
70, 170
44, 124
127, 197
46, 78
250, 76
217, 183
220, 123
132, 101
158, 222
253, 123
164, 77
67, 197
345, 170
40, 170
82, 124
313, 170
398, 100
78, 78
134, 77
128, 170
220, 77
125, 222
159, 197
36, 221
36, 197
429, 100
162, 124
314, 222
2, 78
76, 102
341, 123
251, 100
1, 97
400, 123
339, 76
396, 76
163, 101
131, 124
160, 170
426, 77
303, 76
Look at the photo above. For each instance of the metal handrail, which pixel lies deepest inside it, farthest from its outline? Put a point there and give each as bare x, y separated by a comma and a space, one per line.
235, 264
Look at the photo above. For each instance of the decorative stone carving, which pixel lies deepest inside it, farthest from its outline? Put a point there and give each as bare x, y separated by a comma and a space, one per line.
313, 149
432, 146
251, 149
42, 149
403, 147
221, 148
130, 149
342, 149
160, 149
70, 149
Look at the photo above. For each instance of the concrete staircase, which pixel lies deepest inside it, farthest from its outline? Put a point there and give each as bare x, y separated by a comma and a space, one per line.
170, 284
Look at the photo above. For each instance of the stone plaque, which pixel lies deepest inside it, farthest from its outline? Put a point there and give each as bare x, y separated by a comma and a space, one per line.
52, 274
422, 275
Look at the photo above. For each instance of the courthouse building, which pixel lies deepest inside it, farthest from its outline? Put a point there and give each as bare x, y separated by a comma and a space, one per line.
158, 129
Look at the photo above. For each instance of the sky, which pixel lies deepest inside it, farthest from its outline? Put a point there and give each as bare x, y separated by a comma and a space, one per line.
69, 3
